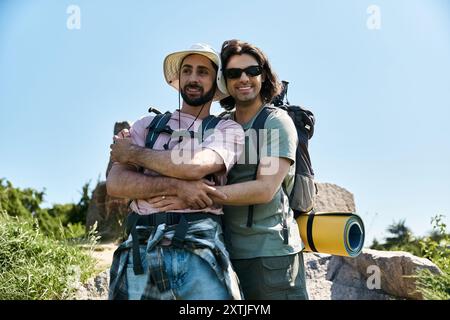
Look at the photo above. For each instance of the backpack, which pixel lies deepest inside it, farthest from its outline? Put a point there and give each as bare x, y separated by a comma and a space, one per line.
301, 198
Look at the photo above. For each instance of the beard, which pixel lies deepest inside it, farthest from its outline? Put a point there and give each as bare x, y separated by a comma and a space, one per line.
204, 98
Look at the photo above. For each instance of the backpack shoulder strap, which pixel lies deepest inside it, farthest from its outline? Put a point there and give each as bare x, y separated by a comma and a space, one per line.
260, 120
158, 125
225, 114
210, 122
258, 124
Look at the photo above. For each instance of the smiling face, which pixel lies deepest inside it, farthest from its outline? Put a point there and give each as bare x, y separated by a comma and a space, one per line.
197, 80
245, 90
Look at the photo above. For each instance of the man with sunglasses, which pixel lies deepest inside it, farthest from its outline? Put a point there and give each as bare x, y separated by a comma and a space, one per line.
261, 234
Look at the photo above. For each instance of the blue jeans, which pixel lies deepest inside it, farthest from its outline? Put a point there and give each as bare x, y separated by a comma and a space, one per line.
190, 277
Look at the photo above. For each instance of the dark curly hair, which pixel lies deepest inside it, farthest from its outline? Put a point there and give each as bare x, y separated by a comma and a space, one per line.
271, 86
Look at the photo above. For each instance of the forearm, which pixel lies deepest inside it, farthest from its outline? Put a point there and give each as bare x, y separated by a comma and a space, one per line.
259, 191
245, 193
175, 164
124, 183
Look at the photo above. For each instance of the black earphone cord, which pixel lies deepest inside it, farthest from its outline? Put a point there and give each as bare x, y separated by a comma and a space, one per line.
180, 138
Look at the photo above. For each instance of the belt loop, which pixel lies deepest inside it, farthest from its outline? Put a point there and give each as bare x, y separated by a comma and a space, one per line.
151, 220
169, 218
180, 232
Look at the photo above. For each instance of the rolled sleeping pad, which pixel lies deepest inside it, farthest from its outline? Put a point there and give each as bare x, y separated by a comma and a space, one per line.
336, 233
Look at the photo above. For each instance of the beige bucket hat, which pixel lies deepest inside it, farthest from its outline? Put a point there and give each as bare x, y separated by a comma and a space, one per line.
172, 64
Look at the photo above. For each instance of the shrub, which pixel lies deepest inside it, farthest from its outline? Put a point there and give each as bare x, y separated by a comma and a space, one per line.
59, 221
35, 266
19, 202
436, 248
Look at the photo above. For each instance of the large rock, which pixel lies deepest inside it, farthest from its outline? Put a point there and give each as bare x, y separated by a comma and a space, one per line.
331, 198
108, 212
341, 278
118, 126
328, 278
397, 270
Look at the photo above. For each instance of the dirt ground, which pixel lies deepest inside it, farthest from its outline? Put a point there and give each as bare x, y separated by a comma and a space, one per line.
103, 253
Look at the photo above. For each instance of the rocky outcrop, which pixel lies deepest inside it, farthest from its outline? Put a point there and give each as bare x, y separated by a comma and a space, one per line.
329, 278
332, 198
108, 212
397, 269
373, 275
118, 126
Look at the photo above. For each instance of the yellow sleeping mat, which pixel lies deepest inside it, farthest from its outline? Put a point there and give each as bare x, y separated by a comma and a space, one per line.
336, 233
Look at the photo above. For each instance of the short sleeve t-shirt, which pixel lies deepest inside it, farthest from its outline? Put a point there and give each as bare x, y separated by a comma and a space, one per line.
265, 236
226, 139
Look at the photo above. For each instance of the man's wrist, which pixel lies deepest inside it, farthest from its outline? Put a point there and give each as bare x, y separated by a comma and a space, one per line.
134, 154
175, 185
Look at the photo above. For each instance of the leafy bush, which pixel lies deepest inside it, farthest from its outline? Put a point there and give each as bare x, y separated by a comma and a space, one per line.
35, 266
17, 202
59, 221
436, 248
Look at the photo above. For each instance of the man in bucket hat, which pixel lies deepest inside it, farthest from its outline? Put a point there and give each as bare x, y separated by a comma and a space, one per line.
178, 254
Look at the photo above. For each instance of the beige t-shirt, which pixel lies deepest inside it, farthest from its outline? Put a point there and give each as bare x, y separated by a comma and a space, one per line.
227, 140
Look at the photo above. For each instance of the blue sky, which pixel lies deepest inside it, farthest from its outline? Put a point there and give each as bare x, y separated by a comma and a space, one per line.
381, 97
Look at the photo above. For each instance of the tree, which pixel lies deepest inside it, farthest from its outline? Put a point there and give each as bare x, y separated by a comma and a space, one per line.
55, 221
79, 211
401, 234
19, 202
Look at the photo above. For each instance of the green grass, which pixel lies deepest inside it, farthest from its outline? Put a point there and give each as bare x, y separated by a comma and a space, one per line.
36, 266
434, 287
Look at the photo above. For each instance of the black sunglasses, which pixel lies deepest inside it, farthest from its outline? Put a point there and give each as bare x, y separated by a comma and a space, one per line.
235, 73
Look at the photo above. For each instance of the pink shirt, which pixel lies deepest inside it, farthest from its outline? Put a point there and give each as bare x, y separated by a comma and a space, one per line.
227, 140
